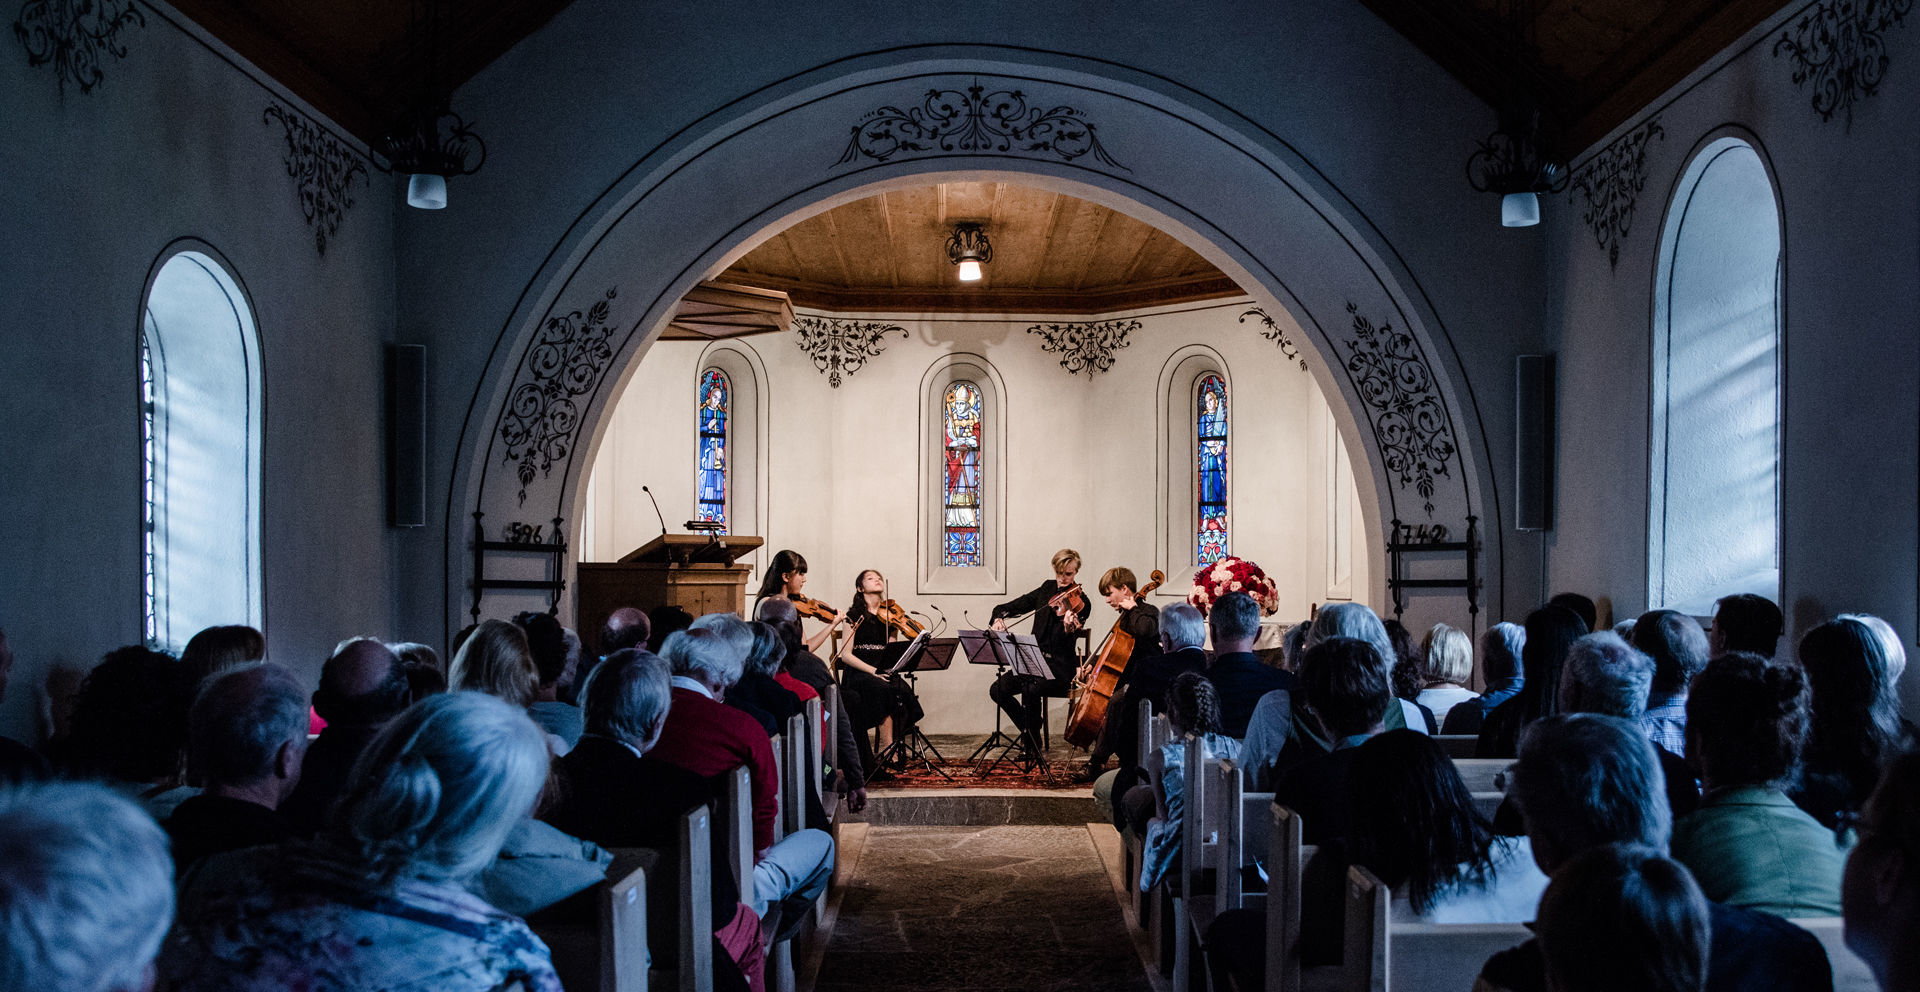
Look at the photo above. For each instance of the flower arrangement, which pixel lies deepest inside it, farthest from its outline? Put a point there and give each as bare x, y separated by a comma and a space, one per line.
1234, 575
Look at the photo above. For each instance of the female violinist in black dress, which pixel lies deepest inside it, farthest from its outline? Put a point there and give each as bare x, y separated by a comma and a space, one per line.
874, 700
785, 577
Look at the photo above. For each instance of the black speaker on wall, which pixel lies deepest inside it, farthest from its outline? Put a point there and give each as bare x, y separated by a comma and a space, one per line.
407, 435
1533, 438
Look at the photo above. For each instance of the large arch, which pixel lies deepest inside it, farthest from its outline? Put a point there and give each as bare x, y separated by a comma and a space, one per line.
1139, 145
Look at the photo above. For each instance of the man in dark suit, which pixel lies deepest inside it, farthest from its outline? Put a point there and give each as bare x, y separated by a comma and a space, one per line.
246, 736
1344, 686
361, 687
1238, 676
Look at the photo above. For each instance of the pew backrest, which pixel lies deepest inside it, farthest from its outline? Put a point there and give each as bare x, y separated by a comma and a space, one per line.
1286, 865
1850, 973
1483, 774
1458, 745
735, 818
793, 760
1242, 836
1384, 956
694, 957
623, 933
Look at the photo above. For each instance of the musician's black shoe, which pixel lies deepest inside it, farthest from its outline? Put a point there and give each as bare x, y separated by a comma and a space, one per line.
1087, 773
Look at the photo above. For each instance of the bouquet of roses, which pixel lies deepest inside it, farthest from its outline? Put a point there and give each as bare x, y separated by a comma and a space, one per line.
1227, 575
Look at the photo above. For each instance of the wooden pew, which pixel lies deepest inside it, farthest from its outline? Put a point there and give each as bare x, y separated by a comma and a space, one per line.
1483, 774
792, 753
609, 953
1133, 848
1199, 822
1384, 956
1458, 745
1288, 862
1850, 973
1242, 839
734, 817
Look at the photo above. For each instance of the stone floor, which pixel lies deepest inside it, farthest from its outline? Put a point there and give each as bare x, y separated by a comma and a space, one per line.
978, 908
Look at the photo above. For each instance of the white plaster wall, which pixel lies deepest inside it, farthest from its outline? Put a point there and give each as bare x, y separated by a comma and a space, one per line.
1851, 219
1081, 466
172, 145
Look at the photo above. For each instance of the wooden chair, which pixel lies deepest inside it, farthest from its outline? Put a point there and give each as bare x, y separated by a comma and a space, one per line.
1458, 745
1383, 955
608, 954
1850, 974
1483, 774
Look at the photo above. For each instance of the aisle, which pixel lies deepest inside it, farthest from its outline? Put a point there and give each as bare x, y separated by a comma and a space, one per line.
969, 909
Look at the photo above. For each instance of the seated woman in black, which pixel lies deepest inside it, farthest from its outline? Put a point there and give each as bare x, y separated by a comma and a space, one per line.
875, 701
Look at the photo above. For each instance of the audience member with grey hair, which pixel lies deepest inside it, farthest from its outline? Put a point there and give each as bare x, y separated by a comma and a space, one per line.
377, 901
758, 693
1239, 677
729, 626
361, 687
1621, 916
1500, 648
1857, 726
1144, 683
1447, 656
1880, 896
615, 798
1583, 781
805, 667
1605, 675
86, 889
1678, 648
246, 739
1358, 621
706, 655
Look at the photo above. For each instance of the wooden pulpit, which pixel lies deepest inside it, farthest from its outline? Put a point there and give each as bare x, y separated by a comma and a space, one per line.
695, 572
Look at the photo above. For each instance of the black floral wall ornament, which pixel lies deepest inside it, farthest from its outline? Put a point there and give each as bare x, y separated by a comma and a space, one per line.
1277, 334
975, 120
322, 169
74, 35
1085, 346
1611, 183
1404, 406
839, 347
564, 363
1840, 49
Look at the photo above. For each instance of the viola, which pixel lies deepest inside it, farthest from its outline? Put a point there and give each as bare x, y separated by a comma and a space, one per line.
814, 608
1093, 697
1067, 604
894, 615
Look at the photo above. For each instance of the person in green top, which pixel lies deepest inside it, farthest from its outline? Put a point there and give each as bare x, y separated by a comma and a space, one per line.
1748, 844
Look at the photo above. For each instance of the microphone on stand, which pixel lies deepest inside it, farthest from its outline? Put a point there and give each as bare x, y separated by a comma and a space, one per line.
656, 510
943, 619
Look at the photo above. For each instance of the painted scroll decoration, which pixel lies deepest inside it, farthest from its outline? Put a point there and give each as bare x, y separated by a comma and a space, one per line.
1839, 48
841, 347
75, 36
1085, 346
1404, 406
565, 362
1611, 183
1277, 334
323, 170
975, 120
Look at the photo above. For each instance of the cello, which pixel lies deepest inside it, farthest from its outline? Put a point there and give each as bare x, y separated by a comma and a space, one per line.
1101, 678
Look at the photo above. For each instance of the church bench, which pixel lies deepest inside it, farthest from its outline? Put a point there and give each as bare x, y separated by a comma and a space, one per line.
1458, 746
1193, 904
1483, 774
609, 952
1288, 862
1383, 955
1850, 973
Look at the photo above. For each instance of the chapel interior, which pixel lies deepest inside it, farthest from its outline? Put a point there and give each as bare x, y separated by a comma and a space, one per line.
375, 319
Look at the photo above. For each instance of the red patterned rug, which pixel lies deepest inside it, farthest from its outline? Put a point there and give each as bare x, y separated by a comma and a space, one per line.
965, 774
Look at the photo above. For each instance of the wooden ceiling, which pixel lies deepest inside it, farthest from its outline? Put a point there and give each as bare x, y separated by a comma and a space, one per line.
1598, 60
1052, 253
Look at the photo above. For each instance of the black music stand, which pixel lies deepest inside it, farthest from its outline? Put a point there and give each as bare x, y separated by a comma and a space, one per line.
1019, 653
983, 647
923, 654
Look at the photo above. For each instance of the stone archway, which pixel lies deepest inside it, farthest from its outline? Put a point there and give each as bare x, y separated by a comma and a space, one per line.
1236, 194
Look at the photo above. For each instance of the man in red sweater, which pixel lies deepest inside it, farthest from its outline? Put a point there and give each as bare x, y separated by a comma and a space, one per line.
707, 737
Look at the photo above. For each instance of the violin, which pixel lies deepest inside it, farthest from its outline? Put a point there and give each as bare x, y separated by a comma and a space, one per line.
894, 615
1067, 604
814, 608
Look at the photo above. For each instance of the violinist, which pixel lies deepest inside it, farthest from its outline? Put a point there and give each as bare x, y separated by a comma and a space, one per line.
875, 701
1054, 626
785, 577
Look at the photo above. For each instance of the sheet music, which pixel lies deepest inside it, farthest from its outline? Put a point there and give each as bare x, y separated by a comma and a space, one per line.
1027, 659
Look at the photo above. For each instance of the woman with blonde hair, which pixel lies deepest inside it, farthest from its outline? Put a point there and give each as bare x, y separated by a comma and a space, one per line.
1448, 666
495, 660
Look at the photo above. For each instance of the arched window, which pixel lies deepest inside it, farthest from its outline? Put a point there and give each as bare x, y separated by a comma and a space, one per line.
1714, 518
960, 481
200, 400
710, 485
1210, 469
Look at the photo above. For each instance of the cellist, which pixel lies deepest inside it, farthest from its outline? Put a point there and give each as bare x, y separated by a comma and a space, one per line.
1142, 620
1055, 627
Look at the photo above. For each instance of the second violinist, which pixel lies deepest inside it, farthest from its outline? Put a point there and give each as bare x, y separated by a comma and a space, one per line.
875, 701
1055, 627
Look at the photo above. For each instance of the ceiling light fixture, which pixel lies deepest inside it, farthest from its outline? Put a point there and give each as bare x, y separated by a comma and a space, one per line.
429, 142
969, 249
1517, 160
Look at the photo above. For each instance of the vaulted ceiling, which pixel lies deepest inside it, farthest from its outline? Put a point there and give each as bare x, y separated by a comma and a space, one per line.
1598, 60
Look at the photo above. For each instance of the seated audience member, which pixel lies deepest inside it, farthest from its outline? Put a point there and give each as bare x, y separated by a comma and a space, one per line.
1580, 606
1144, 683
1583, 781
18, 762
1607, 676
805, 668
497, 661
1344, 690
377, 900
1406, 675
247, 734
1551, 630
1678, 648
1239, 679
1294, 644
740, 638
1856, 719
1193, 708
1624, 629
1446, 668
759, 684
1748, 844
1501, 646
538, 869
217, 649
547, 645
86, 889
361, 688
425, 675
130, 726
1881, 891
1745, 622
626, 627
663, 622
1624, 917
613, 798
1358, 621
708, 737
768, 638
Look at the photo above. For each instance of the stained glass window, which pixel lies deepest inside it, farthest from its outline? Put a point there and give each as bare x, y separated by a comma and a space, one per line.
1210, 470
710, 476
960, 533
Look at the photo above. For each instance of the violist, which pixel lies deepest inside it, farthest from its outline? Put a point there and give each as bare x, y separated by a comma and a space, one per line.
1023, 697
874, 701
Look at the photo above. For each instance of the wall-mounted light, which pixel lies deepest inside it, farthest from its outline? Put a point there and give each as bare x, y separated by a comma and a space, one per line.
969, 249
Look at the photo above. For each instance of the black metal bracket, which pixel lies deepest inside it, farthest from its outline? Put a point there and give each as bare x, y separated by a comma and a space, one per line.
555, 547
1399, 546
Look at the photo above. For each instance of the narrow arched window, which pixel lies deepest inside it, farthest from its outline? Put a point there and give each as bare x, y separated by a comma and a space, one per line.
200, 417
961, 421
710, 485
1714, 496
1210, 470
